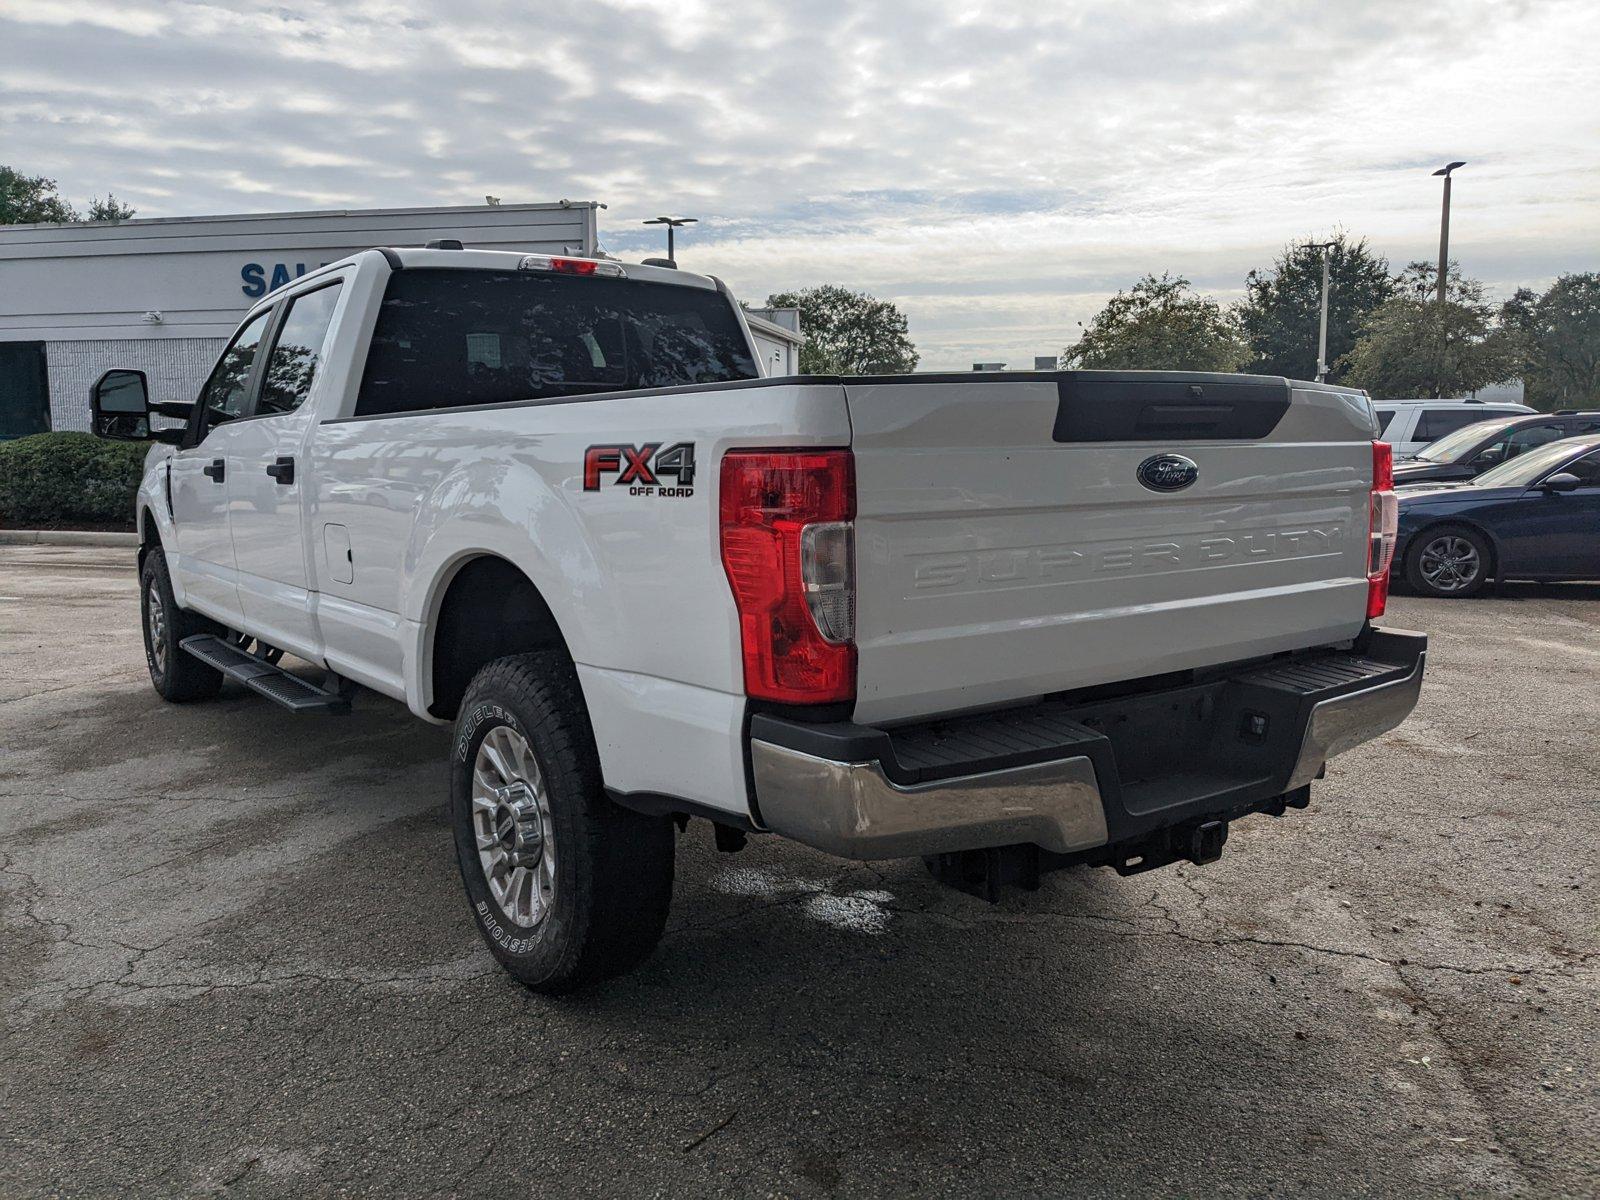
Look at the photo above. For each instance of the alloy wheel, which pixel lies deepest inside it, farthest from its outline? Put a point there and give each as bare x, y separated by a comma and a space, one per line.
155, 619
512, 828
1450, 563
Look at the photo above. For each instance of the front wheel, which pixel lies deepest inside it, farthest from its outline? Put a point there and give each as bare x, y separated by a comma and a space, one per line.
566, 887
1450, 561
177, 675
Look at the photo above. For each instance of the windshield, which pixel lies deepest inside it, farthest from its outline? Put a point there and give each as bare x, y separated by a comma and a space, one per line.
451, 337
1525, 468
1453, 446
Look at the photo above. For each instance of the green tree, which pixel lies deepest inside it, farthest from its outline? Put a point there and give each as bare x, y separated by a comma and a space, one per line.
1281, 311
33, 199
109, 209
1160, 325
849, 333
28, 199
1558, 337
1414, 346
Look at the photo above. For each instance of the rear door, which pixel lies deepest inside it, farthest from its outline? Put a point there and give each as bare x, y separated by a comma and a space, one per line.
199, 479
266, 474
1025, 535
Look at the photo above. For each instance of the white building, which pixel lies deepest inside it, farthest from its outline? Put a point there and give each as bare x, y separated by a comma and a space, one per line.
163, 295
778, 337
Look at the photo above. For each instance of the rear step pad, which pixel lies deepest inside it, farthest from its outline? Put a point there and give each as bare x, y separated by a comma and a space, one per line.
294, 693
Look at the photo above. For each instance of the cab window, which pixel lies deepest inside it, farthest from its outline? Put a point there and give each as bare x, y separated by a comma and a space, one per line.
298, 352
1587, 469
1436, 422
1523, 440
223, 398
453, 337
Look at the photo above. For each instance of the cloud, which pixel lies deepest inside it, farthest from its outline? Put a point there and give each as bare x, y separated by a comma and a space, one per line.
997, 168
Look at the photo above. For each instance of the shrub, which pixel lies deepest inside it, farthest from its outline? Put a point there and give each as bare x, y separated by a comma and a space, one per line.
62, 479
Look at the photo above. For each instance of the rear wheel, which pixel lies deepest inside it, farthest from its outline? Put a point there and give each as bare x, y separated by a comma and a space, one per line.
177, 675
1451, 561
566, 887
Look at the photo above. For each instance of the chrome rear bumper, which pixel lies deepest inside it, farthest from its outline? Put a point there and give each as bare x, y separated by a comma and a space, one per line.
859, 793
1344, 722
854, 810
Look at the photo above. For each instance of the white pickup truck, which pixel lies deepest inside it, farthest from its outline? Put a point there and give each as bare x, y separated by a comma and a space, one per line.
1005, 622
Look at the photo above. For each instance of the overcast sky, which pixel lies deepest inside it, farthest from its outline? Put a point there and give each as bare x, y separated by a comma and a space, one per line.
995, 168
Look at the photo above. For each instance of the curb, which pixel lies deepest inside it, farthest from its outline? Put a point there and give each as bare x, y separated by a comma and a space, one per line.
65, 537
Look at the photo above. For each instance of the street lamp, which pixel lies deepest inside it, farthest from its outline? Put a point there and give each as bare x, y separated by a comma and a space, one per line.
1322, 325
671, 223
1444, 227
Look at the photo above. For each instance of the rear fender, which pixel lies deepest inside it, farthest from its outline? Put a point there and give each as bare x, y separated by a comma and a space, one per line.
481, 509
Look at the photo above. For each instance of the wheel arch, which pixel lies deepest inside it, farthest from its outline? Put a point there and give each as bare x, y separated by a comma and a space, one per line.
482, 607
148, 530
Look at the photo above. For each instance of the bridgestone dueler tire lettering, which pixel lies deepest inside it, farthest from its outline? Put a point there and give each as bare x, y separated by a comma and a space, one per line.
614, 866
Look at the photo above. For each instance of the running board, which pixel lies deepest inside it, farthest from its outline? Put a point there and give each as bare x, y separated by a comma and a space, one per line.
276, 684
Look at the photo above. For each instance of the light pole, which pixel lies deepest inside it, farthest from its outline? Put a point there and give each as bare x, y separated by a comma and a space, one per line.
1444, 227
1322, 324
671, 223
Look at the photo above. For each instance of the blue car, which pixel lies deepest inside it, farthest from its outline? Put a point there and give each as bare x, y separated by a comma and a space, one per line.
1535, 517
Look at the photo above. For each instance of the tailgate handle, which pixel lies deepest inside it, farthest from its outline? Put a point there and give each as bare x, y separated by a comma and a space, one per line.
1184, 413
1170, 417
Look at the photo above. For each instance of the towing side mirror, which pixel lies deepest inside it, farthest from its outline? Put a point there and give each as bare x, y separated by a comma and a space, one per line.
120, 408
1562, 481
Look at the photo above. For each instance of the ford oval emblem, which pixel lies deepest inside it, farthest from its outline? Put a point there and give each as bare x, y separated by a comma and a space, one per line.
1168, 472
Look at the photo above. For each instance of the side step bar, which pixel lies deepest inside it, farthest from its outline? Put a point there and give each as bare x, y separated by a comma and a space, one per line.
273, 682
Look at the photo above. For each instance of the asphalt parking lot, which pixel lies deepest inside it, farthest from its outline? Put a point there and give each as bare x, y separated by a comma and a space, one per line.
235, 956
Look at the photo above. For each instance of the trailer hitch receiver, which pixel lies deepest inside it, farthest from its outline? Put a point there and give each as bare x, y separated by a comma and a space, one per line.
1206, 841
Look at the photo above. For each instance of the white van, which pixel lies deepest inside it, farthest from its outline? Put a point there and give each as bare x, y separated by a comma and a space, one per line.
1409, 425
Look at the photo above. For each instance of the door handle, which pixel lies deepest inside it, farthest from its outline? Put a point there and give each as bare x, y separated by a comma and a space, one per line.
217, 469
282, 470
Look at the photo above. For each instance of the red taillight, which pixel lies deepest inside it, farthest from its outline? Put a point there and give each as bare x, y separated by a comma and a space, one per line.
787, 543
573, 266
1383, 521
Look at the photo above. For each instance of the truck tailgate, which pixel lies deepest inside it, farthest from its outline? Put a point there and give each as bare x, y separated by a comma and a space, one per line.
1006, 547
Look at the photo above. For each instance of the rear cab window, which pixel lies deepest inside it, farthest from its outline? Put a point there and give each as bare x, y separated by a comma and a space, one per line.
449, 337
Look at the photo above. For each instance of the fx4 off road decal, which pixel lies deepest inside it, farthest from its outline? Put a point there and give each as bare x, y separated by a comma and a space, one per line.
639, 468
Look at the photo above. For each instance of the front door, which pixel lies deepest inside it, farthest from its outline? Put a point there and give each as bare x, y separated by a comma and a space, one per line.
1574, 522
204, 563
266, 469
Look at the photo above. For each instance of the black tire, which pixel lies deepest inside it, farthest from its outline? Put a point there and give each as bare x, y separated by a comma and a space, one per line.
177, 675
612, 867
1467, 548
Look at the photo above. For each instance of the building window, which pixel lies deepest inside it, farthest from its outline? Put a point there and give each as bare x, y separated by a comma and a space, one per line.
24, 390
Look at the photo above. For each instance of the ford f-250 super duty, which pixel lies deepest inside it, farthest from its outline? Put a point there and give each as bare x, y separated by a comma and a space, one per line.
1004, 622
